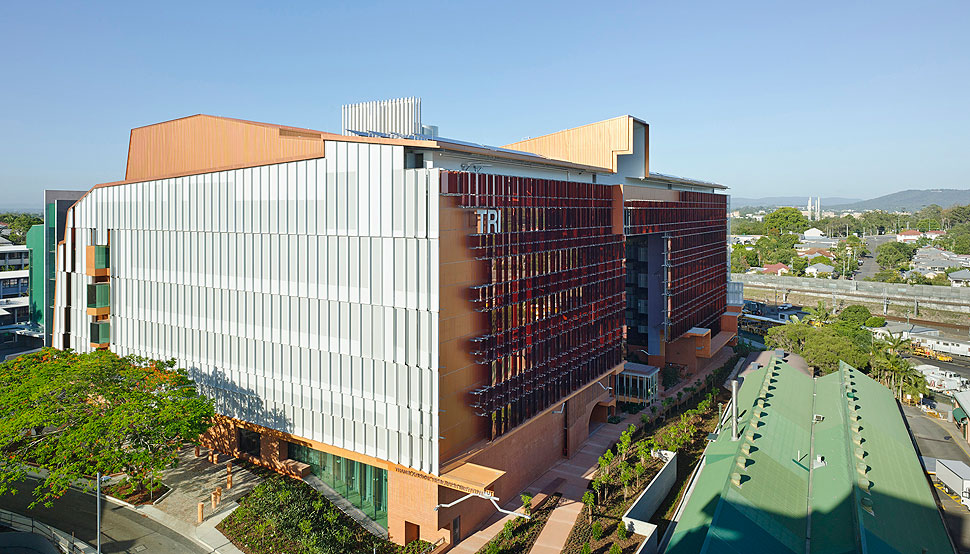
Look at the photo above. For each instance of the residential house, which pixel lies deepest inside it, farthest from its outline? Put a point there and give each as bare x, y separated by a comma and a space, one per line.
777, 269
815, 270
960, 278
908, 236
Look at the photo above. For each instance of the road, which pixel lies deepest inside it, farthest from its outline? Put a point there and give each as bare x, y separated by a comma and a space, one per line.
122, 529
869, 266
940, 439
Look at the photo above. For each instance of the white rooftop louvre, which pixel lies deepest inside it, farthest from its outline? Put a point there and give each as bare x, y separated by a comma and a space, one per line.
400, 116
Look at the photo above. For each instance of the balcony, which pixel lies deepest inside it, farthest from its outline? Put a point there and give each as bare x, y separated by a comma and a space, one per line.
100, 334
98, 260
99, 299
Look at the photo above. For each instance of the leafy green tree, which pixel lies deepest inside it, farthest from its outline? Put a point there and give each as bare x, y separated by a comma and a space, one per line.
786, 220
745, 226
590, 502
19, 224
825, 347
855, 314
875, 321
888, 276
821, 260
739, 259
77, 414
798, 265
894, 255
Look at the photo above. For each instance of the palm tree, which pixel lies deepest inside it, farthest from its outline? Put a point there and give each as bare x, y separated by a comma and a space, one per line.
896, 344
819, 315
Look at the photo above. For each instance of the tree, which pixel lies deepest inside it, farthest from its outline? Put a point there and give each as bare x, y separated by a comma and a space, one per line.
819, 315
786, 220
894, 255
855, 314
19, 224
896, 344
825, 347
745, 226
589, 501
77, 414
798, 265
626, 475
739, 259
820, 259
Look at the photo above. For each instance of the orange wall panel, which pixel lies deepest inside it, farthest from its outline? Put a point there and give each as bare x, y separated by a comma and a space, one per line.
204, 143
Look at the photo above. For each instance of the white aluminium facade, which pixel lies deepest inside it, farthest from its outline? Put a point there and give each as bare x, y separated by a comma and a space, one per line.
302, 296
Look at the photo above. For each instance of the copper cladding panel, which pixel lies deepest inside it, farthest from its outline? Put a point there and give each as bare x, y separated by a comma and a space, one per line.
202, 143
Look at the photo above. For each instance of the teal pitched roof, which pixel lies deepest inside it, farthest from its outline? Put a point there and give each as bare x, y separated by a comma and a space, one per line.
824, 464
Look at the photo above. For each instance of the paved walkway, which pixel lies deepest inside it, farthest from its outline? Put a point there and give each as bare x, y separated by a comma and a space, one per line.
577, 473
195, 479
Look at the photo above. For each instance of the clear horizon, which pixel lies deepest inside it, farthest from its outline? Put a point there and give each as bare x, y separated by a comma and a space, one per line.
768, 99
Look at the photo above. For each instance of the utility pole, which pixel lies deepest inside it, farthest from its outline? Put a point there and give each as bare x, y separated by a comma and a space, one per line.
98, 476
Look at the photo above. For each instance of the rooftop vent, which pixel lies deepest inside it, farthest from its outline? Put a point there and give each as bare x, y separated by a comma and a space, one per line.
399, 117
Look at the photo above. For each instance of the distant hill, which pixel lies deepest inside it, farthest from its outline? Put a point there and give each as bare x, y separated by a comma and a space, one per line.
907, 200
774, 201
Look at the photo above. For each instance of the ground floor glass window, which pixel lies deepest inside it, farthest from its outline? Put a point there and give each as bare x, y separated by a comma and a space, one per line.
363, 485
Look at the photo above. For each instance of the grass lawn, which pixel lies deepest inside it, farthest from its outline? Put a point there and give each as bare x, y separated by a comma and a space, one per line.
283, 515
519, 533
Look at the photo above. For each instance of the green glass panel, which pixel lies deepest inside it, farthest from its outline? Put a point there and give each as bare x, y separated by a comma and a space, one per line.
99, 295
363, 485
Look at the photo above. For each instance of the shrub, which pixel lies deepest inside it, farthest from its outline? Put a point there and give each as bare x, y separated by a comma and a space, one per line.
493, 548
614, 419
527, 504
586, 549
509, 529
597, 531
615, 549
875, 321
621, 531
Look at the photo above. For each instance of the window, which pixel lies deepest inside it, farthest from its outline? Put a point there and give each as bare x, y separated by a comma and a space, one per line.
248, 441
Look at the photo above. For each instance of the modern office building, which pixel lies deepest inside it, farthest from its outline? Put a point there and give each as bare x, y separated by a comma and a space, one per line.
818, 465
14, 282
424, 324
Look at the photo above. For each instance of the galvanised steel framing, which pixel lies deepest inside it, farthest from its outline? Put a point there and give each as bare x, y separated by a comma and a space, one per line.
695, 232
555, 299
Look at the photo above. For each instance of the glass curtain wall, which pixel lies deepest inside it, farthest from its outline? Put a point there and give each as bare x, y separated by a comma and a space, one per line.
363, 485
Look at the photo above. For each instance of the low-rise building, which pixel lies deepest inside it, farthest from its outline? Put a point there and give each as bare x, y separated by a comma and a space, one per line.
908, 236
817, 465
813, 252
813, 233
960, 278
815, 270
776, 269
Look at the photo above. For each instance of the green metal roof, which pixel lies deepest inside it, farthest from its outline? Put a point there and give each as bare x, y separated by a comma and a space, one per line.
959, 414
870, 495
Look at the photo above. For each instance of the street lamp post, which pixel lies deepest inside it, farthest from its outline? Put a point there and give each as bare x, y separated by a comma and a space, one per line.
100, 478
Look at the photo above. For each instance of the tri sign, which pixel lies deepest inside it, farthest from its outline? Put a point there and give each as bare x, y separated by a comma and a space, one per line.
489, 221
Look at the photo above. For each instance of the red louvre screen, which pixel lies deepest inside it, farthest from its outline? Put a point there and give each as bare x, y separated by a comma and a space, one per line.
695, 228
555, 298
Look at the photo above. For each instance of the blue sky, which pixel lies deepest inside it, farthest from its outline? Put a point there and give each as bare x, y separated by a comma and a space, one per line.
842, 98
